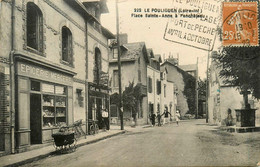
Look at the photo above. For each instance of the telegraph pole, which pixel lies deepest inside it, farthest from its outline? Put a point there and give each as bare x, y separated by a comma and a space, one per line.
119, 68
207, 90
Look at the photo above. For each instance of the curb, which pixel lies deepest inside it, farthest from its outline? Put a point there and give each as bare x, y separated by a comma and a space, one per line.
23, 162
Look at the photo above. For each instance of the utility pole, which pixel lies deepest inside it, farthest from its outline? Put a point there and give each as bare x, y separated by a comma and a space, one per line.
207, 91
119, 68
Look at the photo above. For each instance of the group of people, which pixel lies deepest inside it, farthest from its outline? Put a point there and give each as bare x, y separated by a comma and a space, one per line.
166, 114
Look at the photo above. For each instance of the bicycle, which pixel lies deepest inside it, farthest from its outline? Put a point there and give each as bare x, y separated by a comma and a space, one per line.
93, 127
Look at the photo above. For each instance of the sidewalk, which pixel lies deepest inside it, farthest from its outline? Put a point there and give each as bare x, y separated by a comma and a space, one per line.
47, 150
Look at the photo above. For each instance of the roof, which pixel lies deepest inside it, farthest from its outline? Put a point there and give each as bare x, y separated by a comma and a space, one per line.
189, 67
150, 52
158, 58
79, 7
102, 3
135, 50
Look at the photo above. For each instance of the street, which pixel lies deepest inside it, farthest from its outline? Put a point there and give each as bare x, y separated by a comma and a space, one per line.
193, 143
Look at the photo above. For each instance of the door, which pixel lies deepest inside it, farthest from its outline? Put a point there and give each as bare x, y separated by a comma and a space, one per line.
35, 118
98, 112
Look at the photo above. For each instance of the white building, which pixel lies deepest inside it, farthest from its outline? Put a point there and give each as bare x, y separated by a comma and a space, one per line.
168, 93
153, 82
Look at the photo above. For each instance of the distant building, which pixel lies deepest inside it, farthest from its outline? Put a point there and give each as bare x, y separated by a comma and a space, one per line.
153, 82
168, 93
134, 61
177, 75
222, 97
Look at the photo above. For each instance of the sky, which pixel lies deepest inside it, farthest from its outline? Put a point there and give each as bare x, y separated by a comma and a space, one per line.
151, 31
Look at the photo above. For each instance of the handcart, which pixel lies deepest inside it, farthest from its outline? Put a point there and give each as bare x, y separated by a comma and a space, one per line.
64, 140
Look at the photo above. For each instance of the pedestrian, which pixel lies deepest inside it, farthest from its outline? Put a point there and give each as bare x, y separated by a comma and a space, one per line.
229, 118
159, 118
153, 119
166, 114
105, 119
177, 117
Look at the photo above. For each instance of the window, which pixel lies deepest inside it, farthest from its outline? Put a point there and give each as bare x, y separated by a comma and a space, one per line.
164, 90
54, 105
115, 53
115, 78
158, 87
97, 66
34, 27
150, 85
66, 45
139, 76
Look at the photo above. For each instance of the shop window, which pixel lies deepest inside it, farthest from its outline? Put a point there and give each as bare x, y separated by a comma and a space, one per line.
54, 105
35, 86
67, 46
115, 78
80, 97
150, 85
97, 66
48, 88
34, 27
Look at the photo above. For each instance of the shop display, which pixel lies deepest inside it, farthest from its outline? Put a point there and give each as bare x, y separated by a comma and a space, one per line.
54, 111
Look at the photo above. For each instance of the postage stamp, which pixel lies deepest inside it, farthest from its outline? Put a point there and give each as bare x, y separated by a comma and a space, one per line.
240, 24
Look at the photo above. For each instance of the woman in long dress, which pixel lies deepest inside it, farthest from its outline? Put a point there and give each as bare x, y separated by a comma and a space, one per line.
177, 117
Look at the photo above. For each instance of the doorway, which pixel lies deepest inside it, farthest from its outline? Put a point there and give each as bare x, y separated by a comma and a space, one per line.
35, 118
98, 112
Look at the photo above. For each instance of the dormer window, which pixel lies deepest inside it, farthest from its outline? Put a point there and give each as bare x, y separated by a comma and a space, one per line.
34, 27
67, 46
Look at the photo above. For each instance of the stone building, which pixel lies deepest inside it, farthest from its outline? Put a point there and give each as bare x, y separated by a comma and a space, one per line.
222, 97
177, 75
134, 61
49, 49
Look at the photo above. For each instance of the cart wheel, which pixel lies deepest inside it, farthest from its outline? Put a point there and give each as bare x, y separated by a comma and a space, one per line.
73, 146
96, 129
91, 130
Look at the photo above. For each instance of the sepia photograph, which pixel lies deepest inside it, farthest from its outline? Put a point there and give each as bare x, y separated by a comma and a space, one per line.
129, 83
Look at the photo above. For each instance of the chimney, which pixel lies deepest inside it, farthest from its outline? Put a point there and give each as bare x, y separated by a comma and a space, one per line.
123, 38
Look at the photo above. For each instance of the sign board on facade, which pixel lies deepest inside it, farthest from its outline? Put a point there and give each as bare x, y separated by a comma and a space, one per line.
33, 71
194, 24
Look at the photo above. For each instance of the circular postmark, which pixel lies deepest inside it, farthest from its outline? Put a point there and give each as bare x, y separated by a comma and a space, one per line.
240, 24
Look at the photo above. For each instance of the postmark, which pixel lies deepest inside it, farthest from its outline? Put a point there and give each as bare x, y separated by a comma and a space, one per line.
197, 29
240, 24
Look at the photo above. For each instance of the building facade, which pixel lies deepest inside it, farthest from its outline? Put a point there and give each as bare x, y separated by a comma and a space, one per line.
177, 75
168, 94
45, 66
153, 82
134, 61
222, 97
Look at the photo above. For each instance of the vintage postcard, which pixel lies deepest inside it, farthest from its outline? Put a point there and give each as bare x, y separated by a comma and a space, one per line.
129, 83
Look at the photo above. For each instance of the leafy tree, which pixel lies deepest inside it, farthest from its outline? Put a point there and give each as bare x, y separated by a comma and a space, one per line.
239, 67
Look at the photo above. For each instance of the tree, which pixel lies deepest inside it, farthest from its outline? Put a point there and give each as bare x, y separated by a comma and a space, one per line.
239, 67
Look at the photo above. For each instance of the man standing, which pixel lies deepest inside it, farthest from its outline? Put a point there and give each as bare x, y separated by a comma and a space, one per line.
105, 118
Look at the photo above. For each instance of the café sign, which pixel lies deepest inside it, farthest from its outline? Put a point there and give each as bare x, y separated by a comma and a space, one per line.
42, 74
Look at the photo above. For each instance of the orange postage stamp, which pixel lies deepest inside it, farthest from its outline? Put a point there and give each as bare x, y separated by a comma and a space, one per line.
240, 24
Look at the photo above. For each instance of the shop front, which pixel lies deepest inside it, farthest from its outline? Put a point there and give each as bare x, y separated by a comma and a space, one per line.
97, 103
44, 102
